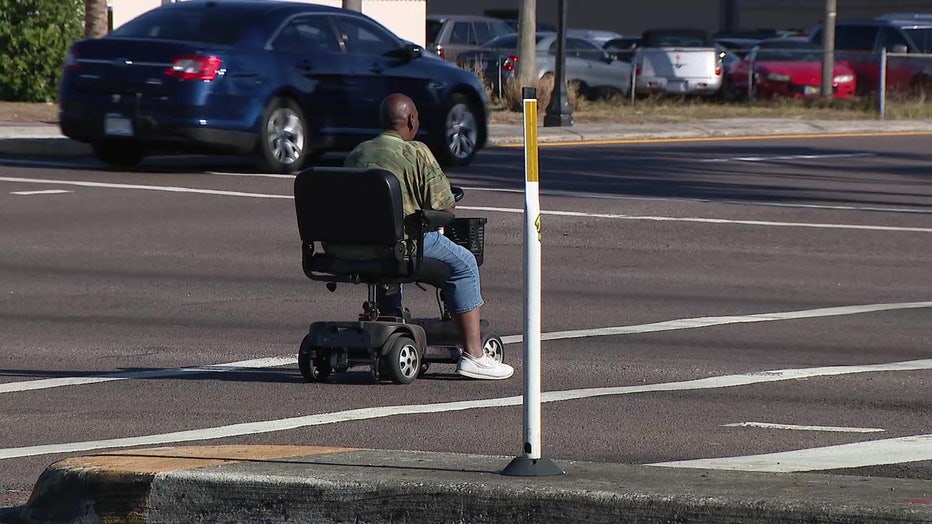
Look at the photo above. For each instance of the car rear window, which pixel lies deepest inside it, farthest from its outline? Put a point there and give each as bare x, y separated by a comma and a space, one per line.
922, 37
675, 38
508, 41
207, 25
433, 30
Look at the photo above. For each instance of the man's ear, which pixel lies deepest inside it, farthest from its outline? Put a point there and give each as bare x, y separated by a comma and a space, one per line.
410, 121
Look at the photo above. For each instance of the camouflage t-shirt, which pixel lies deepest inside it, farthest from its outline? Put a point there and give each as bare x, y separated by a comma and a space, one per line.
423, 183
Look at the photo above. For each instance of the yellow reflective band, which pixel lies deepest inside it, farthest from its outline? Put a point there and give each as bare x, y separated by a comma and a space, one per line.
530, 139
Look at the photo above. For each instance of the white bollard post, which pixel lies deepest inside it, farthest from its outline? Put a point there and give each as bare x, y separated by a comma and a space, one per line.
883, 83
531, 463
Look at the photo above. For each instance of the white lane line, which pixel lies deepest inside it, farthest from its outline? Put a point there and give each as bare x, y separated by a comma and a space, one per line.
491, 209
43, 192
706, 220
786, 157
32, 385
250, 175
603, 196
169, 189
270, 426
668, 325
914, 448
794, 427
700, 322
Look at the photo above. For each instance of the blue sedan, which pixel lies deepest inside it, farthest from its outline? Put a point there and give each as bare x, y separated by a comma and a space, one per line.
285, 81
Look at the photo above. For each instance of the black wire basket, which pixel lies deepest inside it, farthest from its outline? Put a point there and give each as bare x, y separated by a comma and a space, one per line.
469, 233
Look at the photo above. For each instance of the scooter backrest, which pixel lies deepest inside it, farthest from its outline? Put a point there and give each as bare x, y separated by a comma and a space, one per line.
349, 206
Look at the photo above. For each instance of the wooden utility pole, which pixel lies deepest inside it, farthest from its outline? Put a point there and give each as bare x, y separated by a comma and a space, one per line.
828, 47
95, 18
355, 5
527, 44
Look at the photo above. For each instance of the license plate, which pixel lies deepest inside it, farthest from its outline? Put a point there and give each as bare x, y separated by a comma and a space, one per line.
811, 90
118, 126
678, 86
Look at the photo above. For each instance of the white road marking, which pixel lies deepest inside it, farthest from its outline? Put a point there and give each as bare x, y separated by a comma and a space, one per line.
914, 448
668, 325
270, 426
172, 189
44, 192
169, 189
602, 196
32, 385
794, 427
707, 220
786, 157
252, 175
700, 322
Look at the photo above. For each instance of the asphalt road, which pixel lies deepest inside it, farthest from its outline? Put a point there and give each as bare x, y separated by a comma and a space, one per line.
723, 261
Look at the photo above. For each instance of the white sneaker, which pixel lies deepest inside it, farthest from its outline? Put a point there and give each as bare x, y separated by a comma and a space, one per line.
483, 368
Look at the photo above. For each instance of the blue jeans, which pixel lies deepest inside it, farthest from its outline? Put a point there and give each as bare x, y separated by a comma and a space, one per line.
461, 291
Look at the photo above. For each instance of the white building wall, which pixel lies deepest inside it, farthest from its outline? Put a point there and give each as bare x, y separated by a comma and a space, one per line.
405, 18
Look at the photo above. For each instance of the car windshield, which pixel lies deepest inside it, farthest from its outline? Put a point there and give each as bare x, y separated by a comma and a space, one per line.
207, 25
786, 51
922, 37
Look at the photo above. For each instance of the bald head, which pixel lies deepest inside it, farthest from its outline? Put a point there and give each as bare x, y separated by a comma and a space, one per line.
397, 113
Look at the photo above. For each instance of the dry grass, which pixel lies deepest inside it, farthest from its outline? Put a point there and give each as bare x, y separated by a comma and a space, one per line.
677, 110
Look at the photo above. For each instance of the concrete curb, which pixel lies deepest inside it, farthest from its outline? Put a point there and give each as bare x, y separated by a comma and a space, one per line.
47, 140
313, 484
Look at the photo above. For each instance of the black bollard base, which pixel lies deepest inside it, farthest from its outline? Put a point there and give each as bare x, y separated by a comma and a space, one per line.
528, 467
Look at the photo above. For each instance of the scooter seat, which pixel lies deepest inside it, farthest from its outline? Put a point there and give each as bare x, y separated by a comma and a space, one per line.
433, 272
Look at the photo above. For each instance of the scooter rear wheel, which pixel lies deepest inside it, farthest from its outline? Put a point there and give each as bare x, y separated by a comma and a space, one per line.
402, 361
313, 369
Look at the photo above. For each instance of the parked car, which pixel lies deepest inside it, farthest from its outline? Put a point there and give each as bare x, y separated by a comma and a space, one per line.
285, 80
450, 35
860, 42
677, 61
593, 35
786, 67
597, 73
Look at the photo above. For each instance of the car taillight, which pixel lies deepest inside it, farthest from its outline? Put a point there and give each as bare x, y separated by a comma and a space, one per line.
718, 69
193, 67
638, 69
510, 63
71, 61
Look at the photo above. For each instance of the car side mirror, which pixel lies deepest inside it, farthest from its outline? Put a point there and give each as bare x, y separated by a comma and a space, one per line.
899, 49
610, 57
408, 52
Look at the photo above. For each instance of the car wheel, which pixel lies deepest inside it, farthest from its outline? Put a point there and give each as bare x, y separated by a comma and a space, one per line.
119, 153
459, 140
282, 146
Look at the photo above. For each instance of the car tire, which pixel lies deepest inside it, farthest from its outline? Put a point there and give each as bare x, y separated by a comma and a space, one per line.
283, 138
119, 153
458, 140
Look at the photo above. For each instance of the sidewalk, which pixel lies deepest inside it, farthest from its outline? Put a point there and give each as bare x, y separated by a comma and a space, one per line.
46, 139
274, 484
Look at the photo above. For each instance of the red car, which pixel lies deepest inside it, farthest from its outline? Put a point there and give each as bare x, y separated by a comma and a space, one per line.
786, 67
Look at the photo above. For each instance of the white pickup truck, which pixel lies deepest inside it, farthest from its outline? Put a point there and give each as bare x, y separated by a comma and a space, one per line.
677, 61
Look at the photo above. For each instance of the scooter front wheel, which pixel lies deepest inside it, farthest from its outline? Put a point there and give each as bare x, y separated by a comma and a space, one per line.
493, 346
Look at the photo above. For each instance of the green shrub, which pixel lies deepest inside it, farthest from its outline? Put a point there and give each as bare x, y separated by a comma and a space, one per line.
34, 37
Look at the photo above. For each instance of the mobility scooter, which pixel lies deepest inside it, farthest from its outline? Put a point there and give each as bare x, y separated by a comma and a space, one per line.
363, 207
